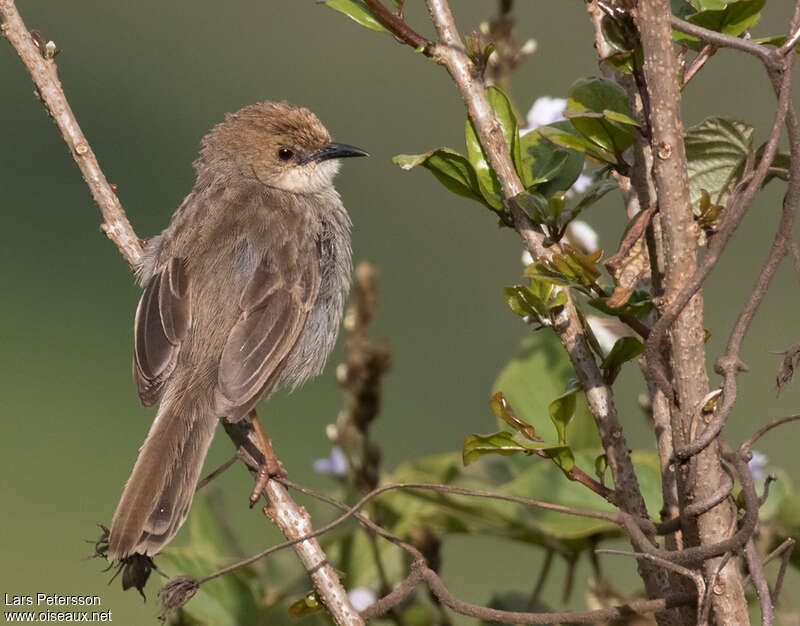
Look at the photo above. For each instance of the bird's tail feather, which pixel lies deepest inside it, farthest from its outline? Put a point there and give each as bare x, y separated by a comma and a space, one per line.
158, 494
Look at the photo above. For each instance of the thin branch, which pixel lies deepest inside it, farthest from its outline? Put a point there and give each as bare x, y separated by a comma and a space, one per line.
765, 429
420, 571
697, 63
738, 205
720, 40
533, 601
698, 508
396, 25
756, 568
687, 348
696, 578
292, 520
217, 472
786, 548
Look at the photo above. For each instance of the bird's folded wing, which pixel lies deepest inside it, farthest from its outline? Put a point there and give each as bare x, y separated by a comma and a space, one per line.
162, 319
274, 307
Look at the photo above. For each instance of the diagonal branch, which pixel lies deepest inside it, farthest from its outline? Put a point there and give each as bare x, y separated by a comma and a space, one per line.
290, 518
43, 71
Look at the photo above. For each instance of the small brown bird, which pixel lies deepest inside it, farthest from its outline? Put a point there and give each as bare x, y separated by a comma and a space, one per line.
243, 295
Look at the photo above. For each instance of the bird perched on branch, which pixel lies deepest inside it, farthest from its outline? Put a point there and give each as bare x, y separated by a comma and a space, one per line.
243, 295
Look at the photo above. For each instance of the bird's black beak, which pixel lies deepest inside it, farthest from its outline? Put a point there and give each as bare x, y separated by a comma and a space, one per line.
335, 151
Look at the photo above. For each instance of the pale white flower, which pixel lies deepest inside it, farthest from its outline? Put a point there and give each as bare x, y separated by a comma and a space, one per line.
527, 259
583, 236
757, 465
361, 598
545, 110
607, 330
334, 465
582, 184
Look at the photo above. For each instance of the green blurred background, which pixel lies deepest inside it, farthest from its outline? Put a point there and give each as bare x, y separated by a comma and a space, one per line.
146, 80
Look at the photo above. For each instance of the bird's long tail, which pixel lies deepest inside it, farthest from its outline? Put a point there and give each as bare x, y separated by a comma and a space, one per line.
158, 494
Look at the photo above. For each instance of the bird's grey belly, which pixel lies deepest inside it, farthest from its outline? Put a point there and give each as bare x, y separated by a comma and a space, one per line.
317, 337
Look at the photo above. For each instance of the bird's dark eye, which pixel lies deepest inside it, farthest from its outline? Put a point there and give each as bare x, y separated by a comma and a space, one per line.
284, 154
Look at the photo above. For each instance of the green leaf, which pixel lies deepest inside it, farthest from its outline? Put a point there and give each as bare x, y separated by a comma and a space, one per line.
729, 18
488, 184
638, 305
777, 41
533, 204
593, 194
710, 5
600, 467
598, 109
522, 301
570, 141
228, 600
543, 162
306, 606
358, 11
538, 373
624, 350
562, 456
716, 151
502, 409
449, 167
503, 443
562, 410
732, 20
622, 118
556, 204
508, 121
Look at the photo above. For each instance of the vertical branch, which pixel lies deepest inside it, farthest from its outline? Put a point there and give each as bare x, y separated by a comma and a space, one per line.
686, 340
450, 53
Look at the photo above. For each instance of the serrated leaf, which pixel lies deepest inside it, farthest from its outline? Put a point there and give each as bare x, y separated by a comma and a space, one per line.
449, 167
590, 102
502, 409
716, 152
624, 350
358, 11
562, 410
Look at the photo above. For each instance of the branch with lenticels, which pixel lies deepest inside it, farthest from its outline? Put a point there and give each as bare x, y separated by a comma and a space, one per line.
287, 515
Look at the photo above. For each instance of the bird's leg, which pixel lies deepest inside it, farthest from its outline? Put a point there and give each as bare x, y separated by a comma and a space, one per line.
270, 466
